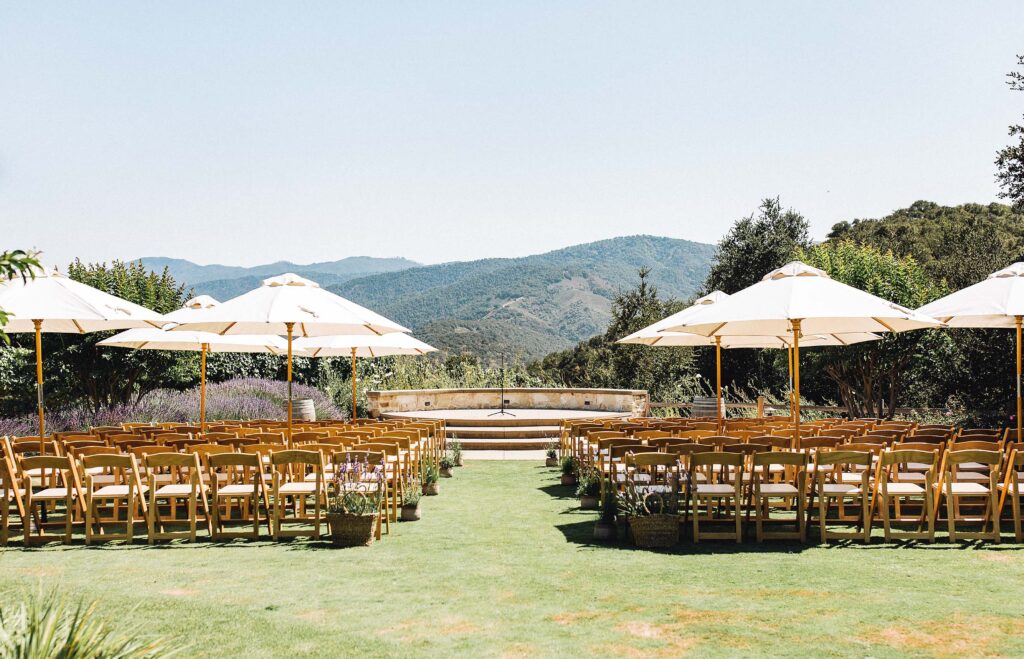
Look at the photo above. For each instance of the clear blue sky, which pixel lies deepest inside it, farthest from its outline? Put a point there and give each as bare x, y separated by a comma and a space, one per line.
249, 132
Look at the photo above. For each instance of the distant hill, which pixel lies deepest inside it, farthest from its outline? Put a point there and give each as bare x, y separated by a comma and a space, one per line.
532, 305
227, 281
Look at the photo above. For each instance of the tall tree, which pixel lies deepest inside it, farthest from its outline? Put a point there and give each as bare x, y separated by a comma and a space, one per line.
16, 263
1010, 159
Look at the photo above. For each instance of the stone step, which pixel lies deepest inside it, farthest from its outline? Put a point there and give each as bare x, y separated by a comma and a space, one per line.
505, 444
503, 432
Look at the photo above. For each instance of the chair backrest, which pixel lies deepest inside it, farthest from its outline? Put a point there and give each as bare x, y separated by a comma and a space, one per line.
937, 440
788, 458
371, 457
874, 438
218, 436
181, 444
905, 456
386, 448
715, 459
262, 449
721, 440
917, 446
297, 457
77, 453
652, 434
46, 462
770, 440
622, 450
986, 445
956, 457
143, 451
845, 433
203, 450
820, 442
165, 437
747, 449
164, 460
843, 456
232, 459
874, 449
308, 437
992, 433
269, 437
109, 460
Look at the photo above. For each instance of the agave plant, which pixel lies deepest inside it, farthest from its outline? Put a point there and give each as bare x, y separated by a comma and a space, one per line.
47, 626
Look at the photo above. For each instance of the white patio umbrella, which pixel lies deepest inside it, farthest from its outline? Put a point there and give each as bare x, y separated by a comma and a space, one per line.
284, 304
395, 343
798, 299
997, 301
201, 342
53, 303
655, 335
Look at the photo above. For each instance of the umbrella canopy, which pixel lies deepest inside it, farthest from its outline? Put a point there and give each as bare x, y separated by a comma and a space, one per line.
363, 345
53, 303
288, 303
63, 305
997, 301
798, 292
202, 342
798, 299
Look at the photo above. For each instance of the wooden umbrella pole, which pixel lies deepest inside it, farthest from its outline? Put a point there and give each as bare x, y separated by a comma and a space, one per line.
796, 383
718, 381
355, 415
38, 324
290, 327
789, 367
1019, 405
202, 388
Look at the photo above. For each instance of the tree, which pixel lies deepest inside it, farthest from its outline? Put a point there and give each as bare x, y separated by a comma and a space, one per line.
1010, 159
873, 377
16, 263
754, 246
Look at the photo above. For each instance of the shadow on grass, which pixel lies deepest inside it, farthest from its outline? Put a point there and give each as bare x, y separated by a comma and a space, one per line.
559, 491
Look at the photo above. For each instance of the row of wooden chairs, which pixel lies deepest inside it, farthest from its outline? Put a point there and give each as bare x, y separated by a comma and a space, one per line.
101, 486
902, 483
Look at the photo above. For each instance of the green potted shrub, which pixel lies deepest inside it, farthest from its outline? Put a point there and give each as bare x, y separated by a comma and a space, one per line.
355, 501
653, 516
551, 455
588, 488
431, 474
411, 502
445, 465
605, 528
455, 448
569, 471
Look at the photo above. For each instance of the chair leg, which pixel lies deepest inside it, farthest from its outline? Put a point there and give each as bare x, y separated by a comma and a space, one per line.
696, 523
1015, 501
950, 517
885, 516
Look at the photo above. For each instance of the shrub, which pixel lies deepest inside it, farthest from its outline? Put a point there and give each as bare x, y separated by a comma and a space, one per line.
568, 466
588, 483
46, 626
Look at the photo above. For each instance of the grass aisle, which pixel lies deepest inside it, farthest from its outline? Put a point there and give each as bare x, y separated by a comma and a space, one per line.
502, 565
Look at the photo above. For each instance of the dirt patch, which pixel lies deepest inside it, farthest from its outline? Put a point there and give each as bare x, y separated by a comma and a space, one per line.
312, 615
520, 650
420, 630
949, 637
40, 571
643, 629
573, 617
179, 592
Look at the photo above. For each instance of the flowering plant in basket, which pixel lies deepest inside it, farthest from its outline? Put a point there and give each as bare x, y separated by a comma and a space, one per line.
652, 510
355, 502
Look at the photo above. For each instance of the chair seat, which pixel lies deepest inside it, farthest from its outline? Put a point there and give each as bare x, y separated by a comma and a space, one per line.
841, 489
911, 477
973, 466
850, 477
971, 477
297, 488
900, 488
918, 466
653, 489
234, 490
174, 489
1019, 489
114, 491
967, 488
776, 489
55, 493
716, 489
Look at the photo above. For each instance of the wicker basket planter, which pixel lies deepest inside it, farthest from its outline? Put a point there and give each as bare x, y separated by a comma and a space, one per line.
431, 489
349, 530
446, 472
569, 480
588, 502
605, 531
550, 462
655, 531
410, 512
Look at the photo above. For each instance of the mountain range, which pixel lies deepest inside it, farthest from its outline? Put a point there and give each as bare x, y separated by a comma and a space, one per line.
525, 307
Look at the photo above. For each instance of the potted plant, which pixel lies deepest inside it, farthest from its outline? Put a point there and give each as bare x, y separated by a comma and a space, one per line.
605, 528
430, 477
445, 465
588, 487
569, 471
355, 502
455, 448
411, 502
551, 455
653, 516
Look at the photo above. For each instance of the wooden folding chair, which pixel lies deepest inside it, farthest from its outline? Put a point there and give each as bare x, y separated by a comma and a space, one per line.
57, 486
766, 486
1011, 486
832, 481
183, 473
243, 487
716, 492
906, 474
290, 468
126, 489
956, 490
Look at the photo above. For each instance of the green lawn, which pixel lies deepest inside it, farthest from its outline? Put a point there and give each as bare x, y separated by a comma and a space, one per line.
502, 565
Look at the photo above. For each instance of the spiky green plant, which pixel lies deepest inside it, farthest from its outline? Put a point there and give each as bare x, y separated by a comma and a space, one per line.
46, 626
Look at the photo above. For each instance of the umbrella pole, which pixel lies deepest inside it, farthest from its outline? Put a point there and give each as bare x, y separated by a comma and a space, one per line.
1019, 405
202, 388
290, 327
38, 324
718, 381
796, 383
355, 415
789, 367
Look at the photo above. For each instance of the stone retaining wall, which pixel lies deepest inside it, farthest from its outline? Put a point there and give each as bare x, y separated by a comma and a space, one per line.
633, 401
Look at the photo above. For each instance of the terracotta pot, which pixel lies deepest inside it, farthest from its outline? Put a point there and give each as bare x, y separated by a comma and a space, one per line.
446, 472
588, 502
568, 480
605, 531
551, 462
431, 489
410, 512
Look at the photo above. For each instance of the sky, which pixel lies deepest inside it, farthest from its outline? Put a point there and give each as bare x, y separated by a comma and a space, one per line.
251, 132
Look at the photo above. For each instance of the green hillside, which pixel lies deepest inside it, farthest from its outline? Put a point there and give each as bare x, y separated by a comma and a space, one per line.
529, 305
